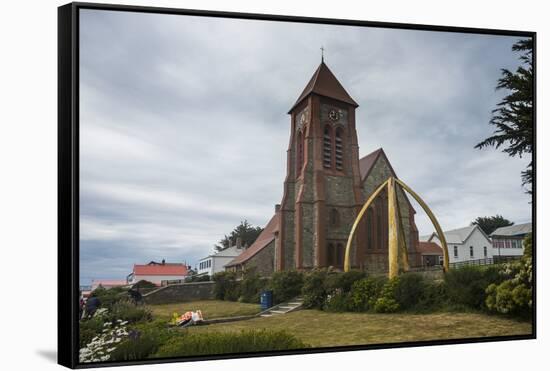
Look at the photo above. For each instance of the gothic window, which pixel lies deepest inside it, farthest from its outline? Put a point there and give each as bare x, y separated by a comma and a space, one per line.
379, 224
300, 156
330, 254
455, 250
339, 149
334, 218
370, 228
471, 251
339, 255
327, 147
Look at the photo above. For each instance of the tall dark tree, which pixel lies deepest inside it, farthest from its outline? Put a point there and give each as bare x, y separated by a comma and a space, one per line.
490, 223
245, 231
513, 117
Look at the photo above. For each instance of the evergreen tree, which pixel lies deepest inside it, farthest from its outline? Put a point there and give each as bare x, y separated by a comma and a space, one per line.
245, 231
513, 117
490, 223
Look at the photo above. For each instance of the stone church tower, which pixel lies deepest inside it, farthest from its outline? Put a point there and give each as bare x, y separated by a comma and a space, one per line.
322, 189
326, 185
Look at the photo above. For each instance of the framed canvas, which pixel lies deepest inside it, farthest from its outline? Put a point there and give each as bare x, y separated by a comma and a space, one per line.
241, 185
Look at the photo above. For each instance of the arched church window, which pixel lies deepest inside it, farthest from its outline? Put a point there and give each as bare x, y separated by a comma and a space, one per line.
339, 149
334, 218
330, 254
300, 157
380, 222
370, 229
327, 147
339, 255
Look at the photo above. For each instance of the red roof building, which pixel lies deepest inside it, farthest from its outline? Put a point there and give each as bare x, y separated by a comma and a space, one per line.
157, 272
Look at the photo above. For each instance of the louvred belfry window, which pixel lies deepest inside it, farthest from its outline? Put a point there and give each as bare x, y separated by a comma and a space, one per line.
339, 150
327, 148
300, 157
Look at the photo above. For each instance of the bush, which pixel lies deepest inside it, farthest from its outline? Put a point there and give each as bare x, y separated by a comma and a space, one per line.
314, 289
127, 310
433, 297
251, 286
338, 301
410, 288
144, 284
108, 297
514, 295
466, 286
364, 293
286, 285
89, 329
226, 286
196, 278
386, 302
344, 281
134, 349
195, 344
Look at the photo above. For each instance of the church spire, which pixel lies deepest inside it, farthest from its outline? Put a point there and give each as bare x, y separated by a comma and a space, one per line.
324, 83
322, 54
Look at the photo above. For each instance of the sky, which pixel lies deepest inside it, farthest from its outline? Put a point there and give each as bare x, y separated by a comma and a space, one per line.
184, 126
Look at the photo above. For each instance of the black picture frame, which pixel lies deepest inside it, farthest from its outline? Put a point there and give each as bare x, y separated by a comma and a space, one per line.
68, 176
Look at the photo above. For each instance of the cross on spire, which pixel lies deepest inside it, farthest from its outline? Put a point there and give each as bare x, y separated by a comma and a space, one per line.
322, 54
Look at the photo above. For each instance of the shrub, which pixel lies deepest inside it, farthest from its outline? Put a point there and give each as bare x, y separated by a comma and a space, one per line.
364, 293
251, 286
386, 302
338, 302
196, 278
144, 284
286, 285
127, 310
226, 286
344, 281
466, 286
433, 297
409, 290
195, 344
133, 349
108, 297
514, 295
89, 329
314, 289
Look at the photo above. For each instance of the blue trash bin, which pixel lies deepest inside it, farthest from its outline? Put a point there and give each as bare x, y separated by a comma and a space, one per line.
266, 299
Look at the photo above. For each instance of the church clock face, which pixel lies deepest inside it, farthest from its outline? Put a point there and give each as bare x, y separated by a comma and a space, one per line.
334, 115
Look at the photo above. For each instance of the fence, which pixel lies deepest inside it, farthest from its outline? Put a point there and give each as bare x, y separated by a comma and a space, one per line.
486, 261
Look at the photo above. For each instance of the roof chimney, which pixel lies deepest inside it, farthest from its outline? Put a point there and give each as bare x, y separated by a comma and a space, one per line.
277, 207
239, 242
163, 261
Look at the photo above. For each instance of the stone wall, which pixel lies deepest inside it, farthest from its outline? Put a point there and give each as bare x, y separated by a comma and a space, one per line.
180, 293
264, 261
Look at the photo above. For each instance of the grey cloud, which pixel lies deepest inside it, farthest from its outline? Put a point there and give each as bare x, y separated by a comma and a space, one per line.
184, 128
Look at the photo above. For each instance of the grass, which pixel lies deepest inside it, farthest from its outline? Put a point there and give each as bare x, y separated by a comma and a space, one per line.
321, 329
210, 309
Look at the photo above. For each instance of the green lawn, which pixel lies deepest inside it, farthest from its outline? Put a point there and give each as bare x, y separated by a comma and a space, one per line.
210, 309
318, 328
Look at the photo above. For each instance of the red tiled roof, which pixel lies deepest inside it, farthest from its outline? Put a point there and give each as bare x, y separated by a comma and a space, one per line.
168, 269
262, 241
429, 248
109, 282
323, 82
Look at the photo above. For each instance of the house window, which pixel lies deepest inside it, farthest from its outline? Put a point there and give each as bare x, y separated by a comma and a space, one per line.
327, 147
339, 149
440, 260
485, 251
471, 251
455, 248
508, 244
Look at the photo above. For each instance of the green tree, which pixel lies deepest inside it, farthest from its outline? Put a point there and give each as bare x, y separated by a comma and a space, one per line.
513, 117
245, 231
490, 223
